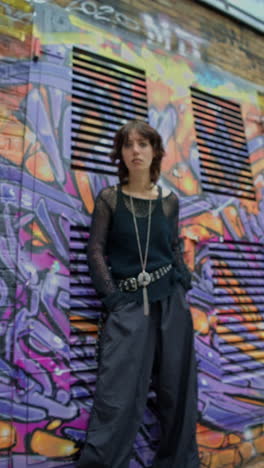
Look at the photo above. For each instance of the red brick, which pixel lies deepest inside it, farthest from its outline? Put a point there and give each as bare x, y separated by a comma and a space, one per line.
4, 142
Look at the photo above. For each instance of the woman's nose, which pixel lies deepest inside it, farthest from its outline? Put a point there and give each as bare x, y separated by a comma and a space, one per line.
135, 148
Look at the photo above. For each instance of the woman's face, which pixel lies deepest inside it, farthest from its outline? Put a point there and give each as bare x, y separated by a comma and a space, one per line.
137, 153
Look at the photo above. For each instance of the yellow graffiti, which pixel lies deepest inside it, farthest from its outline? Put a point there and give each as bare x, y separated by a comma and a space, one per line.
50, 445
7, 435
260, 100
19, 5
54, 424
14, 28
39, 239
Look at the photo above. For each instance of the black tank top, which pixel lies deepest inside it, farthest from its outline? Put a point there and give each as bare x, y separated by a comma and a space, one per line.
122, 248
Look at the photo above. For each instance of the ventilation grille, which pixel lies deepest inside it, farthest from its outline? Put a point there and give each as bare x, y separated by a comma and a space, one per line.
225, 166
105, 95
238, 276
85, 309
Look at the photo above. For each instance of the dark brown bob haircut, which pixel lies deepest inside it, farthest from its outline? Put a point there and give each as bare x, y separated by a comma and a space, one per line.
121, 137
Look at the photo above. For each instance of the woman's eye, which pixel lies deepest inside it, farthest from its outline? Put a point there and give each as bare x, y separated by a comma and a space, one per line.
142, 144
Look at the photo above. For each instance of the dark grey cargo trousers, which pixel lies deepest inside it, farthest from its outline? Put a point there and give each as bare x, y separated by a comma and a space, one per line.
131, 343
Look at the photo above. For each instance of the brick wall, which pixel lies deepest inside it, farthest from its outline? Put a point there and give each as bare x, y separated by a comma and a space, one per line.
230, 45
183, 27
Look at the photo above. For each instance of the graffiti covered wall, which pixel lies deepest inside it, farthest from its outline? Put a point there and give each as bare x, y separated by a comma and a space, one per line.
15, 54
47, 384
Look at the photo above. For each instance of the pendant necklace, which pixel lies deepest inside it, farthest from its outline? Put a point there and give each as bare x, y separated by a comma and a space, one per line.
143, 277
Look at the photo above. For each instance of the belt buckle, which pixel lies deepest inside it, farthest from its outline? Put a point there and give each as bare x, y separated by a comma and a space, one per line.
130, 284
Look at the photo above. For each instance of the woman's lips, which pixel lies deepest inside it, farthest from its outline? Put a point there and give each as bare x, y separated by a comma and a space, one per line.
137, 161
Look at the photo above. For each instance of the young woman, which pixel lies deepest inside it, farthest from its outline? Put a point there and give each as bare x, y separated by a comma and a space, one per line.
148, 331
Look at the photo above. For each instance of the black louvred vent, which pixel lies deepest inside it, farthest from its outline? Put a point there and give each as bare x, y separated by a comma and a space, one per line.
105, 95
85, 309
222, 145
238, 278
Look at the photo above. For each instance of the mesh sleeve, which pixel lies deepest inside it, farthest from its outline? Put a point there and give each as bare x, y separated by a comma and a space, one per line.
185, 274
99, 271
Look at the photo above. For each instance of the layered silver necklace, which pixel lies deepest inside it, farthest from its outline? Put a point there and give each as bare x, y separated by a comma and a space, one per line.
143, 277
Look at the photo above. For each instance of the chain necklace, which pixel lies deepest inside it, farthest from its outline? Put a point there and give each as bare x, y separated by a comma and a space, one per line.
143, 277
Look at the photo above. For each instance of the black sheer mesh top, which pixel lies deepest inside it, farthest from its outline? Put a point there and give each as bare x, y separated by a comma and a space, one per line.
113, 251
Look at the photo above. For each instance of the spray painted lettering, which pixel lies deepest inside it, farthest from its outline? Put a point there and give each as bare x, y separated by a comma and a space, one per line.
157, 30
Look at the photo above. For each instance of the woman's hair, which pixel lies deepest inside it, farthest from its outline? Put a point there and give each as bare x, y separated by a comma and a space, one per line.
121, 138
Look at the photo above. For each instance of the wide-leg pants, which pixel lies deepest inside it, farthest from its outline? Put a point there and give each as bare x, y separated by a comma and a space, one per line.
134, 345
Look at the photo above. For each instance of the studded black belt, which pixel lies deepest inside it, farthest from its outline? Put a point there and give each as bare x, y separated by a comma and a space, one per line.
131, 284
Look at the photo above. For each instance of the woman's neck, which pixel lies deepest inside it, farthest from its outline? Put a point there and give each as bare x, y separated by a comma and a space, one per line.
139, 184
141, 188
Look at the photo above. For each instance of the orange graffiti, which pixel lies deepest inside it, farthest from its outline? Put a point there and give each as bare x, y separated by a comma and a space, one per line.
232, 449
51, 445
203, 227
39, 238
39, 166
7, 435
83, 183
200, 321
